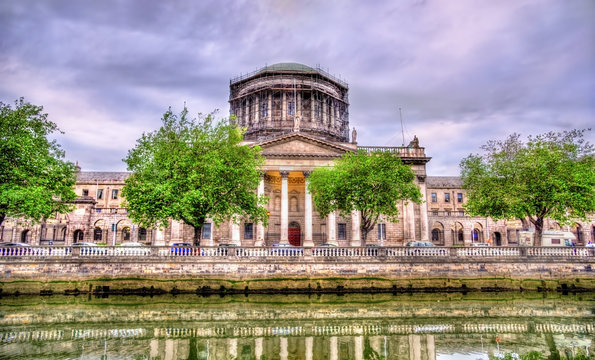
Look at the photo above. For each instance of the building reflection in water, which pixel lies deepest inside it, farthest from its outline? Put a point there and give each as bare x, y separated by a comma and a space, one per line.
393, 329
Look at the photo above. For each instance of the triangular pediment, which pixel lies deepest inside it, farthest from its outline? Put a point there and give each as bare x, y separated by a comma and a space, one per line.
300, 145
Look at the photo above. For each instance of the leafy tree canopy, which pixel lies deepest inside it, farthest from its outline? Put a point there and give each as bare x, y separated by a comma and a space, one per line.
191, 170
550, 176
371, 183
35, 181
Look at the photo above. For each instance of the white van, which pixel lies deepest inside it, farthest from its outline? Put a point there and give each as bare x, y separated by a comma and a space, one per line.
557, 238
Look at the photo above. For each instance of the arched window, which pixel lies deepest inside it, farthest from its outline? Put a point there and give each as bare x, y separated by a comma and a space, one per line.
78, 235
435, 235
97, 234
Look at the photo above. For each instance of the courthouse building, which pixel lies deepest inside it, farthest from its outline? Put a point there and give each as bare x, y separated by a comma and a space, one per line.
299, 116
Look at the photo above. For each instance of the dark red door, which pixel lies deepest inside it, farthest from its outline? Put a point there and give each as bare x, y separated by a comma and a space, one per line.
294, 236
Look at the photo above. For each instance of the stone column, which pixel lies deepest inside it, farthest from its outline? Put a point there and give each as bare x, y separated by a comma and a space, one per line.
355, 228
270, 117
309, 347
232, 347
334, 348
257, 110
308, 212
258, 347
260, 226
332, 228
430, 347
246, 113
324, 111
312, 105
358, 345
235, 233
414, 347
283, 353
284, 208
423, 209
284, 106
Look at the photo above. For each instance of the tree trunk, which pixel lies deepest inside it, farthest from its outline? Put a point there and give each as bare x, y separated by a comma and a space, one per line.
197, 233
2, 217
538, 230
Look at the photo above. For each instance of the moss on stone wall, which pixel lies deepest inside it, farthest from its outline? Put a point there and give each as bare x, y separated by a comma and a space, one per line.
207, 286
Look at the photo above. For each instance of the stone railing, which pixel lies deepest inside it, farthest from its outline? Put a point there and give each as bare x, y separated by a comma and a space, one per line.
262, 253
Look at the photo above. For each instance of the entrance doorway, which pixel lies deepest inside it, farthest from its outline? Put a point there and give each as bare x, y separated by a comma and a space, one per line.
294, 234
498, 239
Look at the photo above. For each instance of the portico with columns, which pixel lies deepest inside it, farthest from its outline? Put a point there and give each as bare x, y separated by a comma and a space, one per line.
293, 219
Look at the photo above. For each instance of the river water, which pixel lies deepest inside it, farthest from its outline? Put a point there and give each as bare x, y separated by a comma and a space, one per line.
359, 326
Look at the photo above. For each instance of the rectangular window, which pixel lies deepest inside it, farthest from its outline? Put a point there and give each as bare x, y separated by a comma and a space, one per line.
85, 192
291, 108
99, 193
381, 231
342, 231
460, 197
434, 213
556, 241
248, 231
115, 194
434, 197
264, 110
446, 197
317, 111
206, 230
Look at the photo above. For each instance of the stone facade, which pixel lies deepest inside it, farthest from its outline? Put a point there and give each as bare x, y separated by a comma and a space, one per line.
299, 116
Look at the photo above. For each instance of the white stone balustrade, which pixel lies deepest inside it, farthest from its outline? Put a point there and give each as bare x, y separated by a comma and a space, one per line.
261, 253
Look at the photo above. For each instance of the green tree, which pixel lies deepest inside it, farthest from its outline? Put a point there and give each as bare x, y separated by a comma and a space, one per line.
550, 176
190, 170
35, 181
371, 183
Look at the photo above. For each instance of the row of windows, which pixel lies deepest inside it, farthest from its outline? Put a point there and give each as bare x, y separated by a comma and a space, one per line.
264, 109
100, 193
447, 197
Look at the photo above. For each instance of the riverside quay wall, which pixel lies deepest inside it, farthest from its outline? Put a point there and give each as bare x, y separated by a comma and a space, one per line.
53, 270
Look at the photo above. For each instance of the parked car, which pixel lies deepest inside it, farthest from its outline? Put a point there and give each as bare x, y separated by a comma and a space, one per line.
418, 249
181, 249
223, 249
590, 244
419, 243
323, 250
286, 250
371, 250
89, 248
131, 248
14, 249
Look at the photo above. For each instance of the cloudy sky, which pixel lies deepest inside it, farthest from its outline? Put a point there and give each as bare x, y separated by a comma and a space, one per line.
462, 71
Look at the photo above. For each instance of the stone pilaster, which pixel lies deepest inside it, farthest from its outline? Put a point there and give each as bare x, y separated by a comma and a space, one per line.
260, 226
355, 228
423, 209
332, 228
284, 208
235, 233
308, 212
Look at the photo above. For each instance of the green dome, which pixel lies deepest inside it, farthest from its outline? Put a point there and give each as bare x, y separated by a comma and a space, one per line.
289, 66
